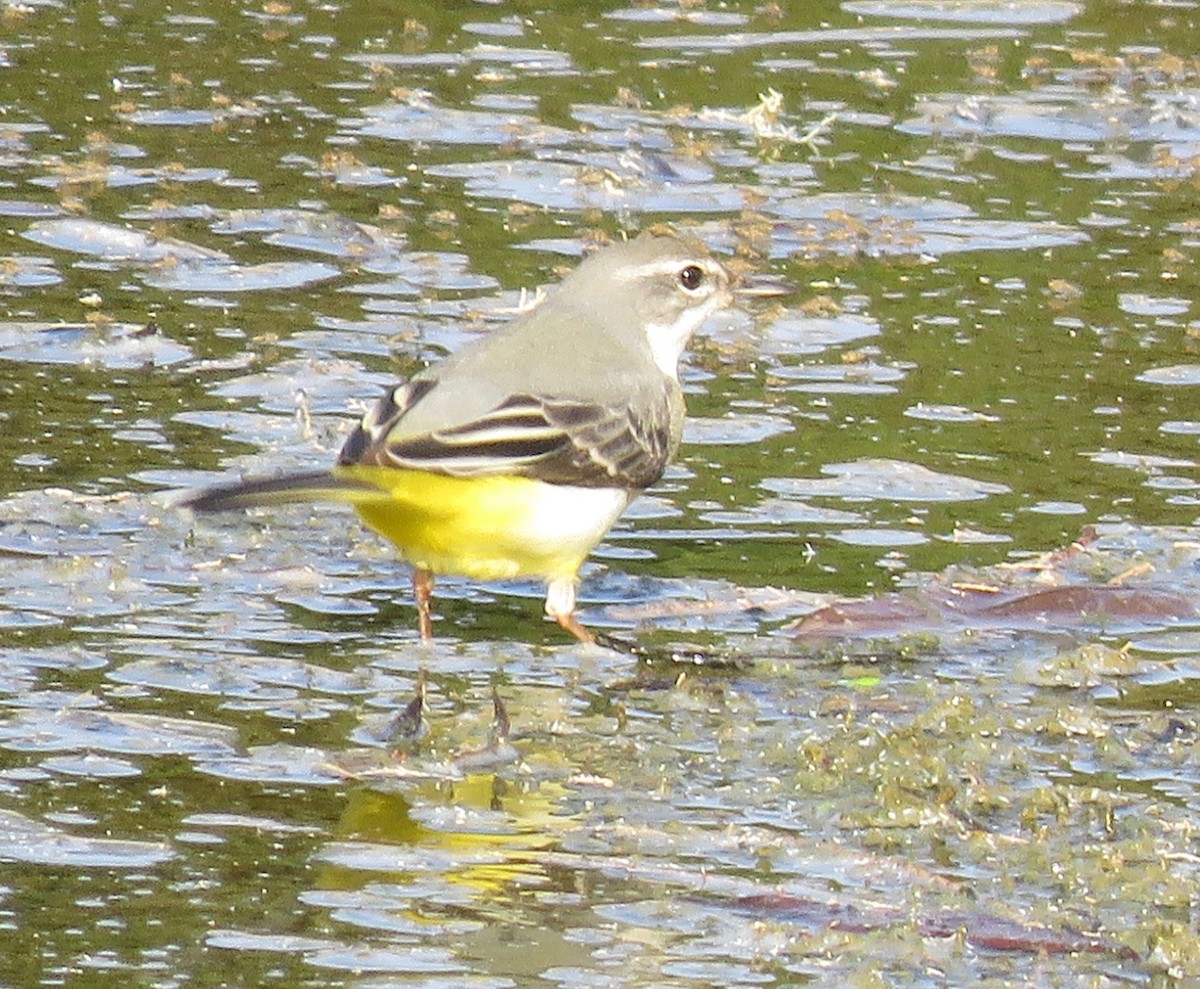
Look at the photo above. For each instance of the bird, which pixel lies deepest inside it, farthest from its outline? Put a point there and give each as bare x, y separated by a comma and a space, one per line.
514, 456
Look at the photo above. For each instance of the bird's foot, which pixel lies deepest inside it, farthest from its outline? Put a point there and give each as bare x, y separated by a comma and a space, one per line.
676, 653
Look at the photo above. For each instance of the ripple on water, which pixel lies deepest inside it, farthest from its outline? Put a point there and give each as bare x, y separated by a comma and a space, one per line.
947, 413
576, 187
26, 208
1141, 304
91, 765
735, 429
80, 730
866, 378
307, 230
783, 511
69, 657
1173, 374
734, 41
884, 225
255, 428
410, 958
929, 237
430, 861
879, 536
1145, 462
1180, 642
121, 176
263, 678
528, 61
794, 334
884, 480
970, 11
417, 119
114, 346
413, 272
1062, 114
114, 242
1057, 508
282, 943
265, 825
675, 15
23, 839
317, 385
176, 264
183, 117
23, 271
213, 276
279, 763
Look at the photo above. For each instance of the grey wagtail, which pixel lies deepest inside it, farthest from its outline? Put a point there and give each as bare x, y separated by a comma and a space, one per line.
515, 455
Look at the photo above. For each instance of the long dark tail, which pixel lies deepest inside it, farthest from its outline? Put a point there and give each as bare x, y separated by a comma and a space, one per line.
286, 490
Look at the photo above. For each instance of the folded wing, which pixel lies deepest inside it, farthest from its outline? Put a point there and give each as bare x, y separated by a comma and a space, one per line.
559, 441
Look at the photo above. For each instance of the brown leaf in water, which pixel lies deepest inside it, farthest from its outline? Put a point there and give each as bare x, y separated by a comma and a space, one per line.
1080, 602
885, 615
981, 607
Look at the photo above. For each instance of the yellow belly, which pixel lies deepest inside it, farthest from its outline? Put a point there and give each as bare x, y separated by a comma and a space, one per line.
486, 528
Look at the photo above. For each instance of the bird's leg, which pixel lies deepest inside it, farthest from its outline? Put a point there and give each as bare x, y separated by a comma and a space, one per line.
560, 605
422, 585
576, 628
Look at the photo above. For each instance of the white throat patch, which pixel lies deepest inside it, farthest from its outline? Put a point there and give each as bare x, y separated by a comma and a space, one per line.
667, 340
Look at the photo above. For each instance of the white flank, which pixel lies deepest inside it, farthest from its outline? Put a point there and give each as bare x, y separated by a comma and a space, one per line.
562, 516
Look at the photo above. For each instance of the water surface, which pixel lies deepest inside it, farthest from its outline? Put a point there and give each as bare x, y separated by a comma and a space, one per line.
226, 228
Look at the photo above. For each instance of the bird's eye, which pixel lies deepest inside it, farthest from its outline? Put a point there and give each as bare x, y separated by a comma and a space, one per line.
692, 277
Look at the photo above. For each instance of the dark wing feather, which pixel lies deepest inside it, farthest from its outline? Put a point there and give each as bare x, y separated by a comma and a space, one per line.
362, 445
559, 441
609, 443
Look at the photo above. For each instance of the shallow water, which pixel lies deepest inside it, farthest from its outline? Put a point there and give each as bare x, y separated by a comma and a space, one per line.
227, 228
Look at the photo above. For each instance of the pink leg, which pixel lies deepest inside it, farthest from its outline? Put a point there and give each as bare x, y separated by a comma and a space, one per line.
422, 583
575, 627
560, 605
